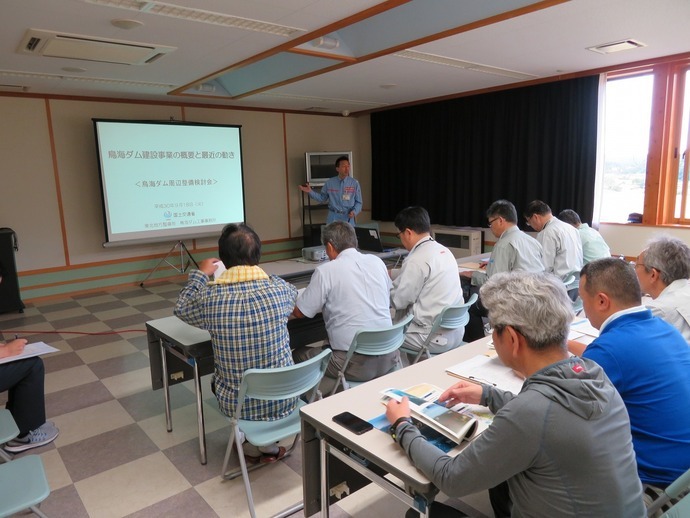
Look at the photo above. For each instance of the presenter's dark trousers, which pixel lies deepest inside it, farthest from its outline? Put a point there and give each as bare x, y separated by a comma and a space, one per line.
24, 380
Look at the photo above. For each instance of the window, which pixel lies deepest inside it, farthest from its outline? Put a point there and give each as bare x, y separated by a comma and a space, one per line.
646, 142
627, 112
682, 202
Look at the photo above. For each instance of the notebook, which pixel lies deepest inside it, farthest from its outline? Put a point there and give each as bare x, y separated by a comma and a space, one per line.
368, 239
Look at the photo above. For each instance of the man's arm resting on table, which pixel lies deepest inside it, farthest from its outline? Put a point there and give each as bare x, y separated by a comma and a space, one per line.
577, 348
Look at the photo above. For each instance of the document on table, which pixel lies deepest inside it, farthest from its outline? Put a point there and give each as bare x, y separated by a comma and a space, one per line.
490, 370
583, 327
34, 349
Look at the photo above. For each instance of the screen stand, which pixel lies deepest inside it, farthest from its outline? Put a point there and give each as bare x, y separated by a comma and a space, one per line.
183, 265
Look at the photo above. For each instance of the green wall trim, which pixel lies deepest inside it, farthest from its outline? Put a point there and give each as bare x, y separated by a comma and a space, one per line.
125, 273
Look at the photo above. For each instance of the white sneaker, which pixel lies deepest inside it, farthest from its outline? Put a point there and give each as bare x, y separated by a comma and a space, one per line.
44, 434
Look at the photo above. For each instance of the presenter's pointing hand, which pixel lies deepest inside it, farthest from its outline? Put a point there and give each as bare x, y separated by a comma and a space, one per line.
305, 188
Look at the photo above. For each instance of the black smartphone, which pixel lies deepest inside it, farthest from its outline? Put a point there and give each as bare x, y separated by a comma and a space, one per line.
353, 423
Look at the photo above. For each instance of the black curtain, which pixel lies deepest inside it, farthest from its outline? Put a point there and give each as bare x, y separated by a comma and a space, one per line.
456, 157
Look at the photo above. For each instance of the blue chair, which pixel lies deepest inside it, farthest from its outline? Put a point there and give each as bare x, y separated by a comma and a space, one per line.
23, 483
674, 490
372, 342
454, 316
273, 385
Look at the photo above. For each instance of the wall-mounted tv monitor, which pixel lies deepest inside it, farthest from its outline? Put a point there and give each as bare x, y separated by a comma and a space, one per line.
321, 165
167, 181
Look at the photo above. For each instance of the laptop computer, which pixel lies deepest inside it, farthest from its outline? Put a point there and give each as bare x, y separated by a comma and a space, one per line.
368, 239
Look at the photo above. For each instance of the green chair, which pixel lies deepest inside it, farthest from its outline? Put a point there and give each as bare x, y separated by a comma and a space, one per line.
454, 316
23, 483
272, 385
372, 342
8, 431
674, 490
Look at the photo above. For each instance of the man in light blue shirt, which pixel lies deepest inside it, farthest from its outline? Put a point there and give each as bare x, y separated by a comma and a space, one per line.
593, 245
342, 193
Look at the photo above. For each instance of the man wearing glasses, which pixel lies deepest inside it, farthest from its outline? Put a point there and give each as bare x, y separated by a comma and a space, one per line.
663, 269
514, 251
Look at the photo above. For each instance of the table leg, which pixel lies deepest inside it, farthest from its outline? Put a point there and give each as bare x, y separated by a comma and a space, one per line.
200, 413
166, 388
323, 453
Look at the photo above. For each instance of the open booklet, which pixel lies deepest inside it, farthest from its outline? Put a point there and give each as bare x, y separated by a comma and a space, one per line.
457, 424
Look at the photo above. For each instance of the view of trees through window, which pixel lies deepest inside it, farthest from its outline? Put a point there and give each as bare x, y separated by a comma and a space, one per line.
628, 104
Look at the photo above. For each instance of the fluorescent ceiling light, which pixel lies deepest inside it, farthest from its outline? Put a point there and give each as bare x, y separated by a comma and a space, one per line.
14, 73
199, 15
465, 65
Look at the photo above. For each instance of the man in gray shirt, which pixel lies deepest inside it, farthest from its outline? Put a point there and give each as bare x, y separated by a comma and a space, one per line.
563, 444
560, 241
514, 251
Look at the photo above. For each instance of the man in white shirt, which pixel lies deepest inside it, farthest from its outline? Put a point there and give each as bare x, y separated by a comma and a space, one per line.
593, 245
560, 241
663, 269
352, 291
427, 282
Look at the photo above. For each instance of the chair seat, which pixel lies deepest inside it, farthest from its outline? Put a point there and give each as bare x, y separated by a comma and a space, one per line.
23, 484
263, 433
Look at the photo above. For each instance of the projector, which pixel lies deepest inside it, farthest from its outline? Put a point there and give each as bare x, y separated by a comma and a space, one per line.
314, 253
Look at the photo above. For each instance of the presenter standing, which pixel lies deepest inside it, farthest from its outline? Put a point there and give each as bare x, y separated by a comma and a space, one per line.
342, 193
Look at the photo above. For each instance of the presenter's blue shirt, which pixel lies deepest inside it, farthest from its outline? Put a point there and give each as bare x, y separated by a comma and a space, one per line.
342, 196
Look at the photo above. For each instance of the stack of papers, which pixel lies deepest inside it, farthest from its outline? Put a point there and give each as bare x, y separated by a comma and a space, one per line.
34, 349
488, 370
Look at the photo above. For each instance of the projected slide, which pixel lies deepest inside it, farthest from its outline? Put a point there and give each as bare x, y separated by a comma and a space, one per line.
168, 180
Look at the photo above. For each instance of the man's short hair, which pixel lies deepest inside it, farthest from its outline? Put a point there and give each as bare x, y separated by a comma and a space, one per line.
340, 159
537, 207
340, 234
571, 217
415, 218
503, 209
536, 305
670, 256
239, 245
614, 277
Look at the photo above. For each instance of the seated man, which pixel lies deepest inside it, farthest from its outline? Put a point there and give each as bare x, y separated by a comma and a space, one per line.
593, 245
647, 360
560, 241
26, 400
663, 269
427, 282
351, 290
246, 312
563, 443
514, 251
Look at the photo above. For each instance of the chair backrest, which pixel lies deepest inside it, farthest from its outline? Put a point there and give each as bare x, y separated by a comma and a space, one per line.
680, 510
454, 316
676, 488
282, 382
376, 342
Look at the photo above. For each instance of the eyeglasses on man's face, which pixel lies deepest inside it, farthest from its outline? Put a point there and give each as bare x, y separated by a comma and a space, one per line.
491, 221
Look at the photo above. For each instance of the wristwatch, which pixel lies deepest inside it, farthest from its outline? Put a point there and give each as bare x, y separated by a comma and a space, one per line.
395, 425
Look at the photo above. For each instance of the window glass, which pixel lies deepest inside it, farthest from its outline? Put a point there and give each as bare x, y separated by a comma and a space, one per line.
683, 150
627, 112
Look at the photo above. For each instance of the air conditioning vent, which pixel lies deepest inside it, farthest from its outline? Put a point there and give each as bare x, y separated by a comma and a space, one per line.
73, 46
617, 46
